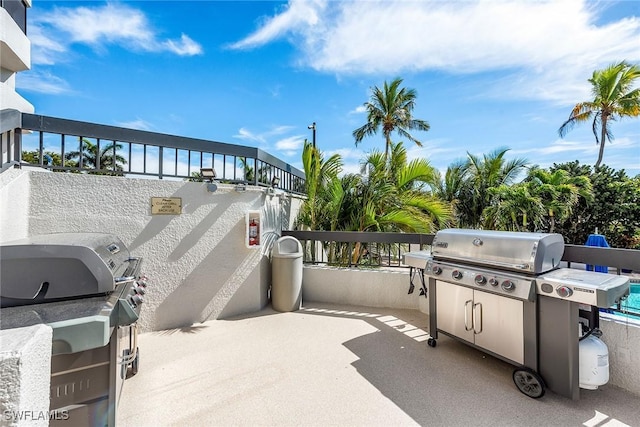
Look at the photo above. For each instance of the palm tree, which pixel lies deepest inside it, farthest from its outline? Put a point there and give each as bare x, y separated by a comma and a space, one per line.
614, 98
390, 110
247, 169
89, 157
478, 176
513, 208
559, 192
324, 195
393, 195
319, 177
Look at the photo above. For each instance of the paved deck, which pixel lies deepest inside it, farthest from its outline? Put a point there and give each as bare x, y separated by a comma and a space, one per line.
328, 365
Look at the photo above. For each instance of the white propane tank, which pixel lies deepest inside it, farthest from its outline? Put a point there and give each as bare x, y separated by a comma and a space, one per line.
594, 363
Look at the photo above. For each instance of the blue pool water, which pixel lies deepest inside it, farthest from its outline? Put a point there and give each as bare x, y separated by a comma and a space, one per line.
633, 301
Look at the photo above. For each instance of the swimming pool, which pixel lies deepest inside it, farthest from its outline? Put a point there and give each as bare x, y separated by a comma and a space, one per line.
631, 305
633, 301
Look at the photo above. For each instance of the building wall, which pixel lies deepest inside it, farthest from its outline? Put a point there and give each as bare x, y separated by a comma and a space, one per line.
15, 56
198, 265
622, 337
25, 361
369, 288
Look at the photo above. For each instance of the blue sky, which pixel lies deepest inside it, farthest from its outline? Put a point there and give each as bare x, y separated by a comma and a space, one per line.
488, 74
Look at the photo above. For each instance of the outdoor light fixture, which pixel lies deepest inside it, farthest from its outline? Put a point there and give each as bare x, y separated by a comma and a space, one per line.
209, 174
313, 128
275, 181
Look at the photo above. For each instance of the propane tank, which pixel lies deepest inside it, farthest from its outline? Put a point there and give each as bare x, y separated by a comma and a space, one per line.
594, 362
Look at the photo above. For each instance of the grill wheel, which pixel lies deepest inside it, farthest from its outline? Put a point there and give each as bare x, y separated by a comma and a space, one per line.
529, 382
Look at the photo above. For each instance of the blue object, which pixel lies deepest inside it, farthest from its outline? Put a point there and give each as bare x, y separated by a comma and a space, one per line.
599, 241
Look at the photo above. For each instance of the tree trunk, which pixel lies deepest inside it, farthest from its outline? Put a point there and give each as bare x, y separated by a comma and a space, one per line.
603, 137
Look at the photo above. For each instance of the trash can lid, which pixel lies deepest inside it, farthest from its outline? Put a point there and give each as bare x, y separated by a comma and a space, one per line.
287, 245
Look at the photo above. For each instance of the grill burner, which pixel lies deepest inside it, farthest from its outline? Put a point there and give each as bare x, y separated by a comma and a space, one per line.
88, 289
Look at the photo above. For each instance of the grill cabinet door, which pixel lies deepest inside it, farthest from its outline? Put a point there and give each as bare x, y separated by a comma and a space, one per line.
452, 302
502, 325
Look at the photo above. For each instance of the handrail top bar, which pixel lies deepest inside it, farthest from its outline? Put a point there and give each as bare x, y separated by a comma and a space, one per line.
361, 236
628, 259
10, 119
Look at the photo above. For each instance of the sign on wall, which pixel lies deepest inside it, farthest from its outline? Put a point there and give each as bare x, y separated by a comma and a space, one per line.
166, 205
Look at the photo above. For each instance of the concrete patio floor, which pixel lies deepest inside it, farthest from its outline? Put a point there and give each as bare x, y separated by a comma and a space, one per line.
329, 365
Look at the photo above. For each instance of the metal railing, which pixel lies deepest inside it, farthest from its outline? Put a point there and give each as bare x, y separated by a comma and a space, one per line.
358, 249
81, 147
371, 249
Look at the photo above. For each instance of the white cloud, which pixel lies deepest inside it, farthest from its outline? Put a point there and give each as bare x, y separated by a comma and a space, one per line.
42, 82
247, 135
297, 16
136, 124
541, 47
290, 144
185, 47
44, 49
262, 137
360, 109
52, 34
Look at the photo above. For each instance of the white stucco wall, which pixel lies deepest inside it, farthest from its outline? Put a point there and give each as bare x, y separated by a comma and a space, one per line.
16, 57
364, 287
198, 265
622, 337
25, 372
14, 204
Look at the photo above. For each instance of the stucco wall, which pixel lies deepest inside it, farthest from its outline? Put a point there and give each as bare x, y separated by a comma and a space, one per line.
14, 204
25, 360
198, 265
622, 337
357, 286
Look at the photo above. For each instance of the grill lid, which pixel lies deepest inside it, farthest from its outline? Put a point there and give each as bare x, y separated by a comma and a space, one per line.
531, 253
63, 265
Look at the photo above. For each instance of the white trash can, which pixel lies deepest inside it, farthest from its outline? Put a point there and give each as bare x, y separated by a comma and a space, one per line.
286, 274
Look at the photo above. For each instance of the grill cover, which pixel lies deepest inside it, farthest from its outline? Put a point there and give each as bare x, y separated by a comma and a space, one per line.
531, 253
62, 265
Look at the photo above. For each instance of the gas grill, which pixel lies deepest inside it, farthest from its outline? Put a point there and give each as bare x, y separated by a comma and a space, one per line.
88, 289
505, 294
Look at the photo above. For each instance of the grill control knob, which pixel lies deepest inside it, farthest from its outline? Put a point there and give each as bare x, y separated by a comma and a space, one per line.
480, 280
437, 270
564, 291
137, 299
547, 288
508, 286
139, 290
456, 274
493, 281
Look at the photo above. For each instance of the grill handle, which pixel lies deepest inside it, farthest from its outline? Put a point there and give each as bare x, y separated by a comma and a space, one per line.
467, 305
506, 265
475, 318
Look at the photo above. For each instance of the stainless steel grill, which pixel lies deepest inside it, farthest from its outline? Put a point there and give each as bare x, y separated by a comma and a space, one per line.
88, 288
505, 293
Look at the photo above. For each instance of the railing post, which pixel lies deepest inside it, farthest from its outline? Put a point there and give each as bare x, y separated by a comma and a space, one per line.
17, 145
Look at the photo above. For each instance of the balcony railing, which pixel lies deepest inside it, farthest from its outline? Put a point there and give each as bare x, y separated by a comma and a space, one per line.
370, 249
81, 147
